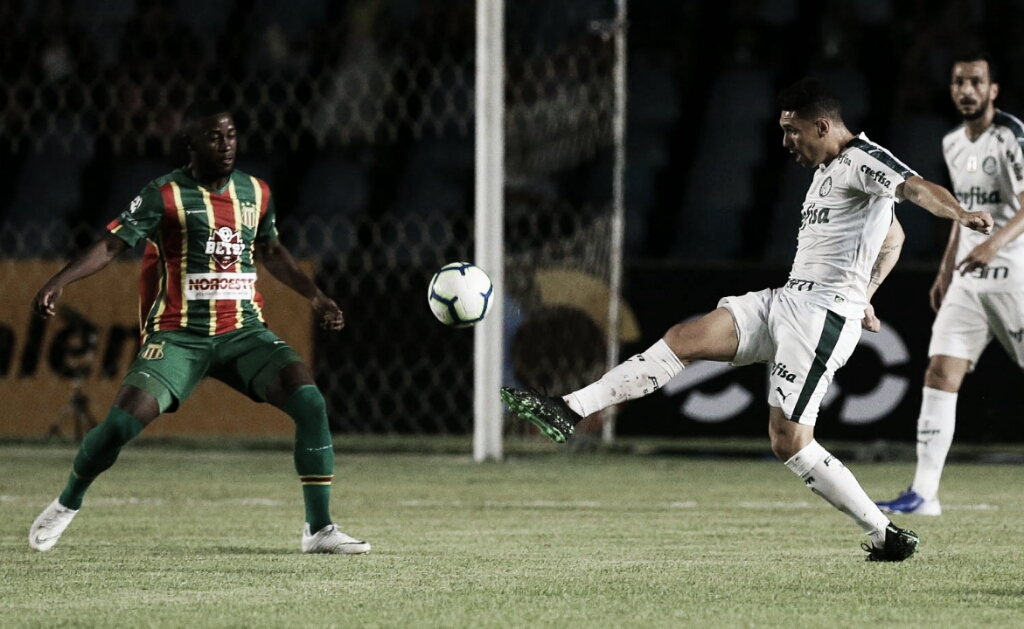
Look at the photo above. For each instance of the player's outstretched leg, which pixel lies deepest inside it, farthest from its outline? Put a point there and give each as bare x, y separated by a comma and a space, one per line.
636, 377
549, 413
98, 452
314, 462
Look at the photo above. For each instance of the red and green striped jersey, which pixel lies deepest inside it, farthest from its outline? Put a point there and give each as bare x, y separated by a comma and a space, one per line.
197, 272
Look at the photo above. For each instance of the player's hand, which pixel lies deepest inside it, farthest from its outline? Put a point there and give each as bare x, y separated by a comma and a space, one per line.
870, 322
938, 290
328, 313
979, 258
45, 303
978, 221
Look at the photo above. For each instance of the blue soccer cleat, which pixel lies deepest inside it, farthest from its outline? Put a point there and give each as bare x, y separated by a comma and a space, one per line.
913, 503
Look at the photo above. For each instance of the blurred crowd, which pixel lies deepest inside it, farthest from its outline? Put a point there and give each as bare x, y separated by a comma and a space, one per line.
368, 102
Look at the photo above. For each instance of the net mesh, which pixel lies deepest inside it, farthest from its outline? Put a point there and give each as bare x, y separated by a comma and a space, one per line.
360, 116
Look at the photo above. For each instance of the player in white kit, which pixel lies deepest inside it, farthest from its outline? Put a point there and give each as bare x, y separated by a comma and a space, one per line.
848, 241
979, 290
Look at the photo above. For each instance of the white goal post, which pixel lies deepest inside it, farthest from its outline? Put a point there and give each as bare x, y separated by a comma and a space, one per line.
489, 214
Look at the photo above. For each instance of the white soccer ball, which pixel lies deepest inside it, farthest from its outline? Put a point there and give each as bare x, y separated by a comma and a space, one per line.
460, 294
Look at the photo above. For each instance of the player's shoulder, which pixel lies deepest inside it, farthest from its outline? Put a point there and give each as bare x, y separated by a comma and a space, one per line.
1008, 124
861, 149
243, 178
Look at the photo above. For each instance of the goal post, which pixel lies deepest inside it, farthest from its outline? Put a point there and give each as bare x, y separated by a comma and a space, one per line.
564, 214
489, 216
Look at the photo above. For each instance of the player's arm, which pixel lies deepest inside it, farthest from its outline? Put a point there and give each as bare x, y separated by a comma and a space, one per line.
884, 263
92, 259
279, 261
982, 255
942, 203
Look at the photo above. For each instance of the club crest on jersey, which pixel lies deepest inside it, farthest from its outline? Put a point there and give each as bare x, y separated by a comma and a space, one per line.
153, 351
226, 246
249, 214
989, 165
826, 187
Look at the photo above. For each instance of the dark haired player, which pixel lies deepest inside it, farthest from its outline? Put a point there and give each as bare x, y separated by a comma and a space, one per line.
848, 242
979, 291
205, 225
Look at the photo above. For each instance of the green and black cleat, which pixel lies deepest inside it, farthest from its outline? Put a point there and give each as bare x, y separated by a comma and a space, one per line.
551, 414
899, 544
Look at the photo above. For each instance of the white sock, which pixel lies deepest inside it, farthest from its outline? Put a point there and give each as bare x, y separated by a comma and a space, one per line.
935, 428
826, 476
638, 376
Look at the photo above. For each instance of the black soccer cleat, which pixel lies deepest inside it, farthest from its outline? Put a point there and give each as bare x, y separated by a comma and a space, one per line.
551, 414
899, 544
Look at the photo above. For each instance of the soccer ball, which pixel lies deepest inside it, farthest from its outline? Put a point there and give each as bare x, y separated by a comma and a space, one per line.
460, 294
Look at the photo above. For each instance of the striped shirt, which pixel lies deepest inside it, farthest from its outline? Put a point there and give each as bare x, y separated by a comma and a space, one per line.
198, 272
845, 217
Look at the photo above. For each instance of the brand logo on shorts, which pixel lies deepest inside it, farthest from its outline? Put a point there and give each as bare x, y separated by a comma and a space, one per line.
781, 371
783, 395
226, 246
800, 285
840, 300
1017, 336
153, 351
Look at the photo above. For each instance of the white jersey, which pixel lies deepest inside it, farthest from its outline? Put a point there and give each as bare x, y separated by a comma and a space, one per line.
988, 174
845, 217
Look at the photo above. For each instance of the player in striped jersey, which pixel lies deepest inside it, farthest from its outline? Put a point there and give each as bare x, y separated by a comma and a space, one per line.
205, 225
847, 243
979, 291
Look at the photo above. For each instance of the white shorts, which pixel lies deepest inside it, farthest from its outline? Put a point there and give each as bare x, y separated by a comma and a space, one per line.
804, 343
968, 321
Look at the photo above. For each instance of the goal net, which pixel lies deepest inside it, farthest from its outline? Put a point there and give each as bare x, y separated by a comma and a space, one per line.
360, 117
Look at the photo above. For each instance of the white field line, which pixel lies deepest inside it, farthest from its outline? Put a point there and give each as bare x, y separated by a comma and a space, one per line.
460, 504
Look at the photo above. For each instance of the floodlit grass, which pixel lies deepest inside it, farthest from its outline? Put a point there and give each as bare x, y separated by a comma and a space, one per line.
184, 538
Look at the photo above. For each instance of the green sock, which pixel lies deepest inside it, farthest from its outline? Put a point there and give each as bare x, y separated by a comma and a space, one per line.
98, 452
314, 453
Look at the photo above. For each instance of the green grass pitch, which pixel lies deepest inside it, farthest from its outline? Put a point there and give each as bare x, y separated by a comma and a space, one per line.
203, 538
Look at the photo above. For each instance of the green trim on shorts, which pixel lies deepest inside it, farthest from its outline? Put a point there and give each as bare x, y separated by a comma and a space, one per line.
830, 332
152, 386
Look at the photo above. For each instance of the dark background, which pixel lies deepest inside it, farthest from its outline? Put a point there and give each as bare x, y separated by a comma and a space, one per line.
91, 93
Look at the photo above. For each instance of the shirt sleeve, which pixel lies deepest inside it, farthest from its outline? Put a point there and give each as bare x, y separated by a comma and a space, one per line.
1014, 164
879, 175
141, 218
267, 228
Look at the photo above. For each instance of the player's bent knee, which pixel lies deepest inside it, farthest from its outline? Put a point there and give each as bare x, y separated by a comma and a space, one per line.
945, 373
306, 401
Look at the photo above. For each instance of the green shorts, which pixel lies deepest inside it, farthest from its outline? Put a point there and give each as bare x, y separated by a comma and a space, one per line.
171, 364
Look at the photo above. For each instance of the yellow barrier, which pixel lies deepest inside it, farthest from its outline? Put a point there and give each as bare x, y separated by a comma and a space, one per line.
44, 364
